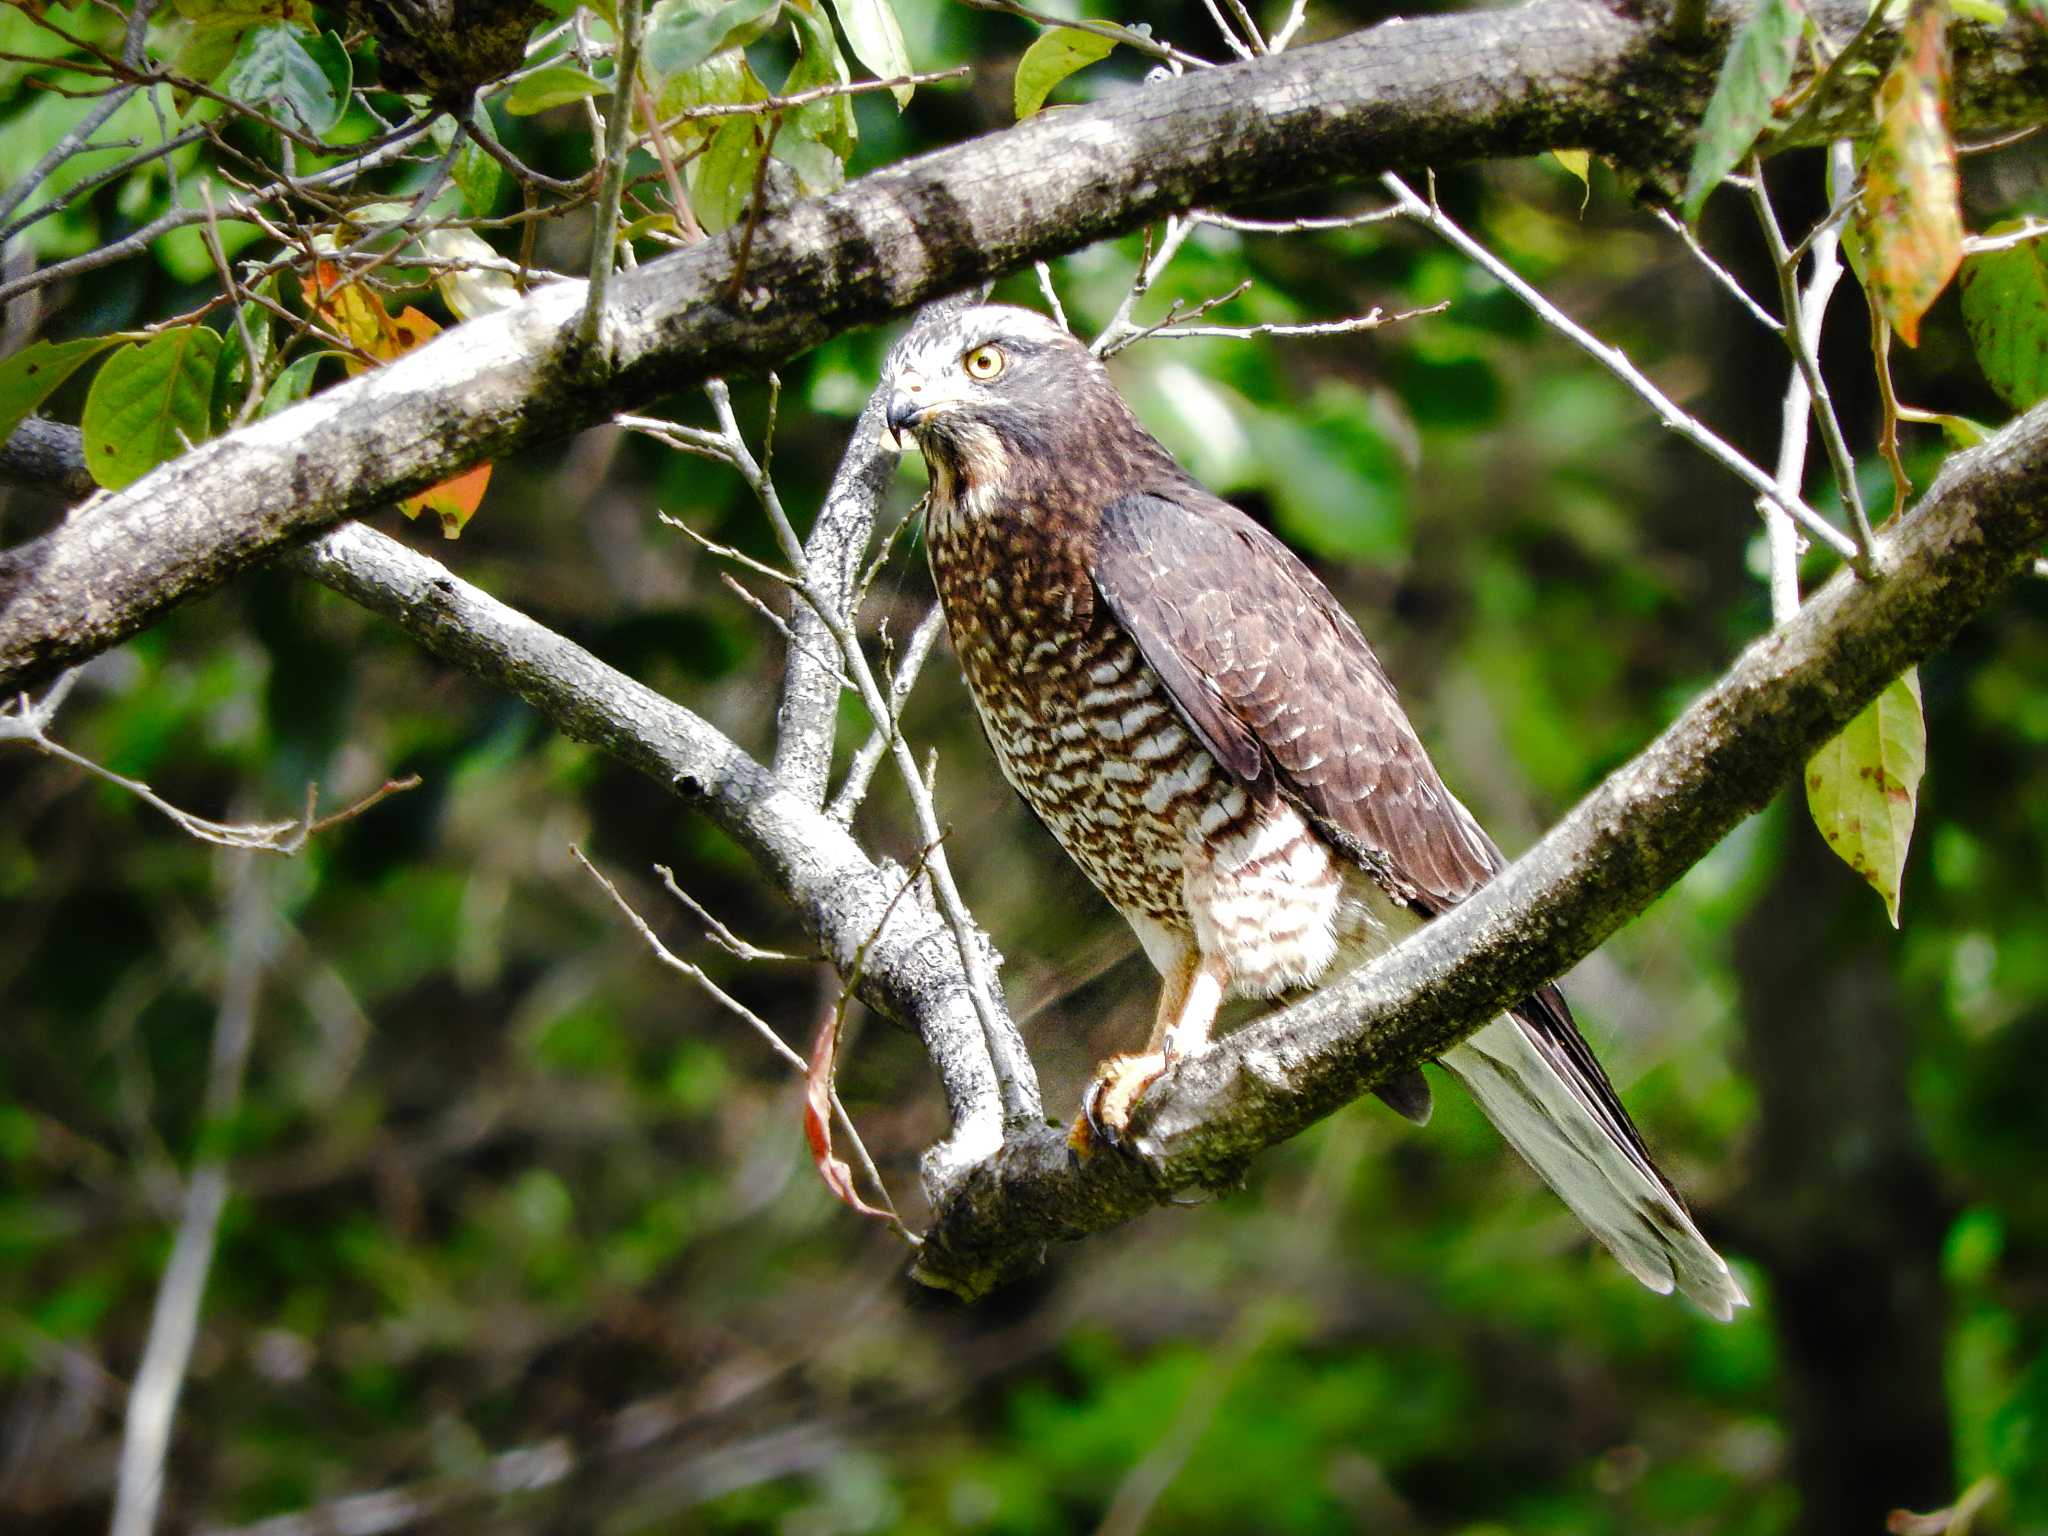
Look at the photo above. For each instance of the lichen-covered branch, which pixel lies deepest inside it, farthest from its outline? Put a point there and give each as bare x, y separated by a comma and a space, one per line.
1435, 90
909, 968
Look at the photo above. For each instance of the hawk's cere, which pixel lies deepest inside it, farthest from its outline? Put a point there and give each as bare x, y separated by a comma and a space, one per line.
1210, 737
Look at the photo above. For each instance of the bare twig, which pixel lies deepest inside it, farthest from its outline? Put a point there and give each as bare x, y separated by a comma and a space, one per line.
716, 931
1156, 47
1618, 363
1151, 263
1804, 340
27, 721
853, 788
618, 131
1173, 326
1719, 273
1013, 1068
1982, 245
786, 1053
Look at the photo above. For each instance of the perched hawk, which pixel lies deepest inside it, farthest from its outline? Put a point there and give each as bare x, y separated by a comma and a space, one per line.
1210, 737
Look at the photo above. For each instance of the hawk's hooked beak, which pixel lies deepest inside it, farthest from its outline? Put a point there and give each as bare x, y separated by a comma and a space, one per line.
909, 406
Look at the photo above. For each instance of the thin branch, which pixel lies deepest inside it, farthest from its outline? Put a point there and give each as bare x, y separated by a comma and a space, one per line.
618, 129
1173, 326
769, 105
1617, 362
27, 721
1014, 1073
1150, 264
755, 1022
716, 931
861, 771
1719, 273
1305, 225
1156, 47
1804, 340
675, 962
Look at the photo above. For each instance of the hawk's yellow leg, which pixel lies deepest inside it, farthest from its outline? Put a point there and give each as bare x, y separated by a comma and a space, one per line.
1188, 1000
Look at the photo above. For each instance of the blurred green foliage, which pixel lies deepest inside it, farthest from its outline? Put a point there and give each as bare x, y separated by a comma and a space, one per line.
501, 1182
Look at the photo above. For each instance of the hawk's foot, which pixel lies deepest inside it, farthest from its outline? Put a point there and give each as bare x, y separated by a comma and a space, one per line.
1106, 1106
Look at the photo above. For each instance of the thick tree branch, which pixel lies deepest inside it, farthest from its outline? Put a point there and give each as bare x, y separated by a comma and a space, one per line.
1615, 853
1437, 90
910, 970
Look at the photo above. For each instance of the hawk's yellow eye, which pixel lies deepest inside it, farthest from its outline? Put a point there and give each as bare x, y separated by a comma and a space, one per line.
985, 363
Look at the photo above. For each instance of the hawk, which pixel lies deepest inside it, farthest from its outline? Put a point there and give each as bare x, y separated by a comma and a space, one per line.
1209, 736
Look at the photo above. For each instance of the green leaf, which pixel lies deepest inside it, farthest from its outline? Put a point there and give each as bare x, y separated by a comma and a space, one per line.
2005, 309
1912, 214
302, 75
149, 403
829, 122
294, 384
722, 183
553, 85
1956, 431
1863, 786
1058, 52
818, 167
231, 377
478, 178
32, 375
877, 41
724, 79
1755, 74
679, 37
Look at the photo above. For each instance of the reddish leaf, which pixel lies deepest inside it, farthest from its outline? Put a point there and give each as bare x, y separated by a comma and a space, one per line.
1912, 214
818, 1119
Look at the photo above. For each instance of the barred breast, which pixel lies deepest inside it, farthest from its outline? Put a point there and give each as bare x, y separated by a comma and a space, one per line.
1086, 732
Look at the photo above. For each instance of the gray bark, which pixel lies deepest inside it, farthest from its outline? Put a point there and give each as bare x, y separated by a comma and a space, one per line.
911, 969
1442, 89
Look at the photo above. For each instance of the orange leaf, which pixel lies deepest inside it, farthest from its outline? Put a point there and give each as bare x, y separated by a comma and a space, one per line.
818, 1119
1912, 212
453, 501
359, 314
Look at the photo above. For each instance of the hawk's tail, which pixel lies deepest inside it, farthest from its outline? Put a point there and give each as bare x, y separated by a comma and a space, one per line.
1555, 1107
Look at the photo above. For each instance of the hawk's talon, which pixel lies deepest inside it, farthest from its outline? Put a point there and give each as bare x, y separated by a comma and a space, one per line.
1106, 1106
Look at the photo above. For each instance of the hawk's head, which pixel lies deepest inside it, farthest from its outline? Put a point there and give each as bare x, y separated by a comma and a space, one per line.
988, 384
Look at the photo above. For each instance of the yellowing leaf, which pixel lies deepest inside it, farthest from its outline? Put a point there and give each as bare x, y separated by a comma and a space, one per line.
1862, 788
1578, 162
1912, 212
359, 313
1058, 52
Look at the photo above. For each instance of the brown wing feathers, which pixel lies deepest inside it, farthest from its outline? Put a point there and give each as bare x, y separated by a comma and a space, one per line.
1273, 676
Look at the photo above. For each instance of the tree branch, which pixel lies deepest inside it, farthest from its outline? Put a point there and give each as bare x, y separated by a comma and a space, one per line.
1439, 89
910, 968
1616, 852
